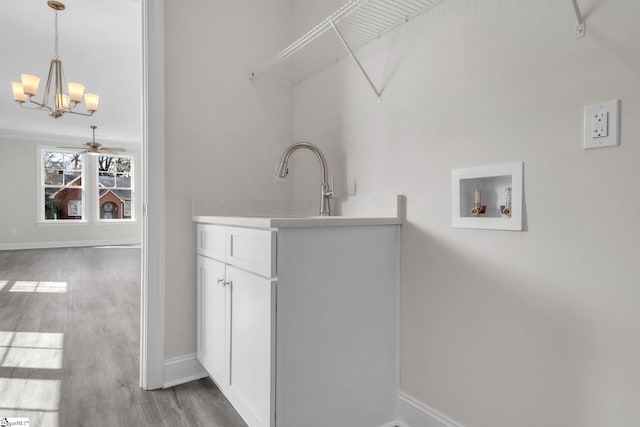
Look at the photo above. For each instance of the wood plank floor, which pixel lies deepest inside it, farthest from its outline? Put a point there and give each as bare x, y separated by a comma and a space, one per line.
69, 345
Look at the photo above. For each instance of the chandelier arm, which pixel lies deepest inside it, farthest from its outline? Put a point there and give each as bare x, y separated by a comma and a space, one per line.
39, 106
59, 101
47, 88
79, 113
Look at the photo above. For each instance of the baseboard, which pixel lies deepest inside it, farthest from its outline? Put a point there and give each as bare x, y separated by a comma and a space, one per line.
413, 413
182, 369
67, 244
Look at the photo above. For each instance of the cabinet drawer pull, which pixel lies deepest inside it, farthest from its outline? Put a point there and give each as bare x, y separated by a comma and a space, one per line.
223, 282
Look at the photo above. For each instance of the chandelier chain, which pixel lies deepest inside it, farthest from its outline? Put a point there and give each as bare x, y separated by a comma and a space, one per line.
56, 35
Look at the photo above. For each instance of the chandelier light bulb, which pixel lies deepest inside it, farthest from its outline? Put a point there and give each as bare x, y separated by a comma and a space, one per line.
65, 102
18, 92
76, 90
30, 84
91, 101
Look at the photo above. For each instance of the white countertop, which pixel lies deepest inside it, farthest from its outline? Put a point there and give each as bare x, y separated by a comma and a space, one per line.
295, 221
350, 211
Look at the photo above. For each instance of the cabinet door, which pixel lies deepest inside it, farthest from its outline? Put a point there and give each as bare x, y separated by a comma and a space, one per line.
213, 319
252, 346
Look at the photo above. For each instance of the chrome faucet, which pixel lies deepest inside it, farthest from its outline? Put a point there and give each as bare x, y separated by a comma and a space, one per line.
326, 191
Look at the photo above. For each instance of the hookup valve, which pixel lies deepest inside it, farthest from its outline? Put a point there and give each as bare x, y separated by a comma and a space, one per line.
477, 211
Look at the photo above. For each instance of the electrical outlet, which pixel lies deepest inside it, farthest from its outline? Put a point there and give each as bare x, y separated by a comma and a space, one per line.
601, 125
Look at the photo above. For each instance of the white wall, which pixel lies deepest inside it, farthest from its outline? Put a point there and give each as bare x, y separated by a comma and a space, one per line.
501, 329
20, 196
224, 132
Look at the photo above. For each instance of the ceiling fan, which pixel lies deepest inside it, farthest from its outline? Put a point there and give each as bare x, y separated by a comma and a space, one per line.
95, 149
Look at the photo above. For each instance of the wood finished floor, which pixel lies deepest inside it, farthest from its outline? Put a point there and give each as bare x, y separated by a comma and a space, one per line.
69, 345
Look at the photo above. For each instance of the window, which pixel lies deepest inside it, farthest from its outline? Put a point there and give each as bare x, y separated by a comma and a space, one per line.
62, 186
115, 187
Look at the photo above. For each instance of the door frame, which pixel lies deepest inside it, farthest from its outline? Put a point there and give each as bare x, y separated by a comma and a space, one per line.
153, 160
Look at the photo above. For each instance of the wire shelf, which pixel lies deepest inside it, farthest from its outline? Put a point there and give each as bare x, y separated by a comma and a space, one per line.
357, 23
352, 26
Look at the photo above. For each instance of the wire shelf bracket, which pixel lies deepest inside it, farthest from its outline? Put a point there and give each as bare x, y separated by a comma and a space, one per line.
355, 58
580, 24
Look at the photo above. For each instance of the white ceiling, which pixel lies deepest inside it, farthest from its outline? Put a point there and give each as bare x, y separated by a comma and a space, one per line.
99, 45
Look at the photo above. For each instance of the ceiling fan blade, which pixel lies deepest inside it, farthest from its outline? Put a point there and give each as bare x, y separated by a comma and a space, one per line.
95, 148
112, 150
77, 150
72, 148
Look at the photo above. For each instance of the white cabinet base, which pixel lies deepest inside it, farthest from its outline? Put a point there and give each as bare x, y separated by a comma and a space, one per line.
337, 326
313, 333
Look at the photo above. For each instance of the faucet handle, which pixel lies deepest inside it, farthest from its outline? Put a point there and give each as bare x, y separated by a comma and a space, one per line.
329, 189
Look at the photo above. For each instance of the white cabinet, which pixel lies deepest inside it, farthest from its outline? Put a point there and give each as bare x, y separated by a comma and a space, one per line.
213, 338
252, 361
302, 328
236, 317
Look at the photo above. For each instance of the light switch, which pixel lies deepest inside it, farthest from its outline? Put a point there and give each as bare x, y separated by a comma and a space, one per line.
601, 125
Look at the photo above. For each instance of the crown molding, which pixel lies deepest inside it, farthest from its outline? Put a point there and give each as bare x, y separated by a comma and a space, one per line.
52, 139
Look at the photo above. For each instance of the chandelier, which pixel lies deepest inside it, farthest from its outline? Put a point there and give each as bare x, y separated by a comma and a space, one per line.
54, 100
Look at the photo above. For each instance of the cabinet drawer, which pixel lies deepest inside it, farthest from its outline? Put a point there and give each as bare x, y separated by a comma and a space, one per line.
212, 241
252, 250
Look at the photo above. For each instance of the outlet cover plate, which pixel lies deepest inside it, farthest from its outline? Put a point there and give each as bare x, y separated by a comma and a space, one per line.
602, 125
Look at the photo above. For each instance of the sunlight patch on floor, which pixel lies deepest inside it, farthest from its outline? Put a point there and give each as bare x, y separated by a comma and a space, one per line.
36, 418
38, 400
136, 246
35, 350
35, 399
39, 287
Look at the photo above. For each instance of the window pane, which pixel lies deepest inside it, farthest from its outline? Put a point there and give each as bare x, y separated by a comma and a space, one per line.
73, 178
57, 203
124, 165
106, 180
53, 160
123, 181
53, 177
73, 162
51, 208
106, 164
